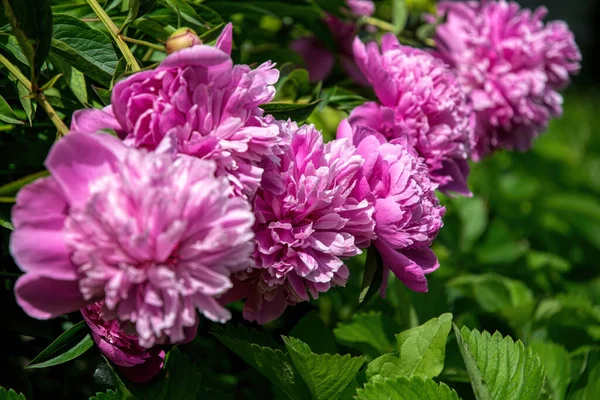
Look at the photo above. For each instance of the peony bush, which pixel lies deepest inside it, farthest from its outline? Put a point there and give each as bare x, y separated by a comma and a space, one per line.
219, 174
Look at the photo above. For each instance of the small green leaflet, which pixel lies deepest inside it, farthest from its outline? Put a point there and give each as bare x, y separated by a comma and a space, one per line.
68, 346
13, 187
298, 112
7, 114
373, 329
557, 365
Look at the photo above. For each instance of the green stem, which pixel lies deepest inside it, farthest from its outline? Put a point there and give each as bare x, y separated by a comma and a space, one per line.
114, 31
143, 43
386, 26
62, 129
7, 199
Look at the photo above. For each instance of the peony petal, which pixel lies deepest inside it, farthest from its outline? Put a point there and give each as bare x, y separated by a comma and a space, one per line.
42, 252
410, 273
225, 39
45, 298
40, 205
93, 120
77, 160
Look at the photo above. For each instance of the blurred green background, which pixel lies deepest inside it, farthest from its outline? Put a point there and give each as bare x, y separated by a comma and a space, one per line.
520, 256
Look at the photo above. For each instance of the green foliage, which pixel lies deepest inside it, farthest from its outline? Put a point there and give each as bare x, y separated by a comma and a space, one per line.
326, 376
70, 345
557, 365
402, 388
587, 386
84, 48
109, 395
372, 332
273, 363
10, 394
500, 368
421, 352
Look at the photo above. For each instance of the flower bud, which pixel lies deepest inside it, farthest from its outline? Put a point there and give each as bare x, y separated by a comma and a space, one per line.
182, 38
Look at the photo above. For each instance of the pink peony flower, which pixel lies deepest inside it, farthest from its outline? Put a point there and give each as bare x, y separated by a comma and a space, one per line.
421, 100
407, 214
209, 105
152, 235
319, 61
306, 221
511, 65
137, 364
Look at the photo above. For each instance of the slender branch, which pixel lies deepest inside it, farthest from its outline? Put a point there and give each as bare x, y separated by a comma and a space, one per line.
386, 26
143, 43
114, 31
62, 129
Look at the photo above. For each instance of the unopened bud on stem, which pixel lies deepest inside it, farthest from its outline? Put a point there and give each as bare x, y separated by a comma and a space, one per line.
182, 38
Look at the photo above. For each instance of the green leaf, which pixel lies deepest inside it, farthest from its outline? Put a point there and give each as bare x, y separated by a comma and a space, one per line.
103, 94
510, 298
587, 386
7, 114
182, 377
373, 329
212, 34
109, 395
298, 112
137, 8
6, 224
402, 388
312, 330
31, 22
399, 15
273, 363
13, 187
292, 86
84, 48
557, 366
567, 313
372, 277
474, 219
50, 84
422, 349
327, 376
341, 98
68, 346
28, 106
499, 368
10, 394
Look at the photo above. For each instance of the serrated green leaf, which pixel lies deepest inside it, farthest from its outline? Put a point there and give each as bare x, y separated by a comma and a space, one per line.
298, 112
109, 395
31, 22
587, 386
312, 330
182, 377
9, 394
68, 346
84, 48
274, 364
326, 376
386, 366
402, 388
557, 366
373, 329
12, 187
7, 114
499, 368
